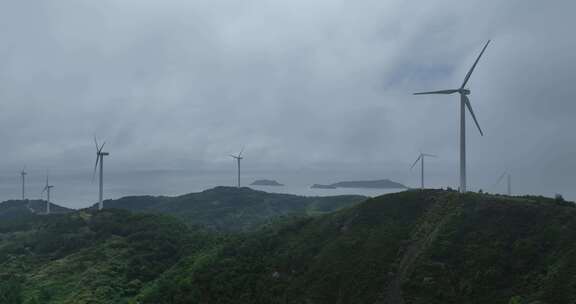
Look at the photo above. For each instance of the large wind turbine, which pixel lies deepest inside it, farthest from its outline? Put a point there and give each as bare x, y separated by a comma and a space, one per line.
238, 159
100, 159
508, 182
47, 190
23, 175
464, 103
421, 159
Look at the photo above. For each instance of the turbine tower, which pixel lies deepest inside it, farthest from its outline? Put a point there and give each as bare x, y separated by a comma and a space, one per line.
508, 182
421, 159
47, 190
23, 175
100, 160
464, 103
238, 159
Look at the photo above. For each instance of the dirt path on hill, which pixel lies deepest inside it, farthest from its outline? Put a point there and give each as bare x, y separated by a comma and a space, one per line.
423, 236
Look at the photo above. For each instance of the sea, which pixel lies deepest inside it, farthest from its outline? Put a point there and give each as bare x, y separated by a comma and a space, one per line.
79, 189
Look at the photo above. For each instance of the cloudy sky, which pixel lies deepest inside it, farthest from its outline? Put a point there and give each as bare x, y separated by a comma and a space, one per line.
305, 86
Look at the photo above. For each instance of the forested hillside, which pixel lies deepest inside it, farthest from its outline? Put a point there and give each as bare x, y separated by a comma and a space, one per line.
409, 247
415, 247
234, 209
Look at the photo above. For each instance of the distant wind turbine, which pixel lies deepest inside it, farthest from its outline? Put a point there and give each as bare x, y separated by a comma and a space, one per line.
421, 159
238, 159
47, 190
508, 182
100, 160
464, 103
23, 175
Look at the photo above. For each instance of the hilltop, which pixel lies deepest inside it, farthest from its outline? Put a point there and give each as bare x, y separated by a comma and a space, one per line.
234, 209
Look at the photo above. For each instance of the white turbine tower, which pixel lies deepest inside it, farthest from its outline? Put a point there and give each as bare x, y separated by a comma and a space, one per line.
238, 159
464, 103
508, 182
47, 190
100, 160
23, 175
421, 159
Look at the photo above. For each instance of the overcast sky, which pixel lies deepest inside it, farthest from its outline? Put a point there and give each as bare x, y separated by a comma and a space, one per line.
302, 84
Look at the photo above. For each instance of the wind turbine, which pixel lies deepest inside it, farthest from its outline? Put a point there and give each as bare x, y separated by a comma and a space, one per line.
508, 182
421, 159
47, 190
100, 159
238, 159
464, 103
23, 175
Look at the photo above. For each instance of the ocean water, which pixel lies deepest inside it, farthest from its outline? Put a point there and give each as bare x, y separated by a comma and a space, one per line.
78, 190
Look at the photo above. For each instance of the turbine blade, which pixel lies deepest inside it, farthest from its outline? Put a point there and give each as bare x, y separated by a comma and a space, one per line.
101, 147
499, 179
96, 143
241, 151
437, 92
414, 164
429, 155
474, 65
469, 106
95, 167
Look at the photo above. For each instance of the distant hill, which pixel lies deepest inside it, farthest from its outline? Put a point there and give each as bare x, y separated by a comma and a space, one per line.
374, 184
234, 209
19, 208
266, 182
318, 186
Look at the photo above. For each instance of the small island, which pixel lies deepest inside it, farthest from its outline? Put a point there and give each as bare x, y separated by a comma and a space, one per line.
318, 186
266, 182
375, 184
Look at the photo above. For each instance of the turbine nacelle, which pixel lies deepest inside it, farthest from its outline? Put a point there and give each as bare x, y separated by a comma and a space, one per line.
464, 91
239, 156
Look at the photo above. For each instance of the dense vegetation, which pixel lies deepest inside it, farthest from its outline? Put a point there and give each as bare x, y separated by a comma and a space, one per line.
92, 257
23, 208
411, 247
20, 214
234, 209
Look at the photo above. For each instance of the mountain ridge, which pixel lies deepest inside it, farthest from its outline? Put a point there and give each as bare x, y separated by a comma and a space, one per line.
233, 209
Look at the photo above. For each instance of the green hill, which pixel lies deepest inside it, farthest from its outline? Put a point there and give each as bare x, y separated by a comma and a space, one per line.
17, 214
411, 247
233, 209
21, 208
92, 257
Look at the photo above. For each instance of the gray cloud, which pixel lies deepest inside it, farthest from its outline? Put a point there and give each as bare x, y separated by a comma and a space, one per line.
302, 84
